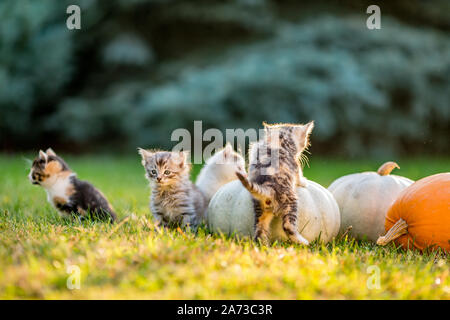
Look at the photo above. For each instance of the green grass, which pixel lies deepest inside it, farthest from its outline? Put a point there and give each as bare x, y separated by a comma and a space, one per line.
135, 260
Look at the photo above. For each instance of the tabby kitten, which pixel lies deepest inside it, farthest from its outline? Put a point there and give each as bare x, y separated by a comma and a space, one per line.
71, 196
219, 170
274, 175
175, 200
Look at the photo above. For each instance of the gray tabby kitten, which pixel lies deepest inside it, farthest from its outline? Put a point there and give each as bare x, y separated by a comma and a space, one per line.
273, 187
175, 200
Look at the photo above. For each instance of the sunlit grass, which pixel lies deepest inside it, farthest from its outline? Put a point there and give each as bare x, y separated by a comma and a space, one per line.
133, 259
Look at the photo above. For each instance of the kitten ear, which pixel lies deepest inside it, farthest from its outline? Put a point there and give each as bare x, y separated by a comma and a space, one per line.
303, 133
309, 126
145, 154
228, 147
184, 158
228, 150
50, 152
42, 155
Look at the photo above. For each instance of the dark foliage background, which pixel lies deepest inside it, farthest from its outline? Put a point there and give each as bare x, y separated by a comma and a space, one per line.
140, 68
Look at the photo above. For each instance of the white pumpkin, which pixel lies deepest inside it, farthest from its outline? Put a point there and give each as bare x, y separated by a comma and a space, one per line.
364, 199
231, 211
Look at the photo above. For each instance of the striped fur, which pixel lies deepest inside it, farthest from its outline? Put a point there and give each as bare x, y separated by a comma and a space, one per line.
175, 200
274, 175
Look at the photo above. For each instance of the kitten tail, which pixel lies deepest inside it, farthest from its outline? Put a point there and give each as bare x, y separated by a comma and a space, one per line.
258, 192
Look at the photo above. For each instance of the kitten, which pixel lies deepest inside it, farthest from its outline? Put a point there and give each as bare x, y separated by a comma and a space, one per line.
175, 200
71, 196
219, 170
273, 187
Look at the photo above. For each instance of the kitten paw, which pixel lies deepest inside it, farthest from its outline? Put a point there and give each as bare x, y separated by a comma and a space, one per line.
299, 240
262, 240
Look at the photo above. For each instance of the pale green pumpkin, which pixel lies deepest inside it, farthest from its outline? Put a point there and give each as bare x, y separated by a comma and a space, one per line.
364, 199
231, 211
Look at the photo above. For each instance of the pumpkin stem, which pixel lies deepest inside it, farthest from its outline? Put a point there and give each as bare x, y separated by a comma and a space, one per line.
386, 168
398, 229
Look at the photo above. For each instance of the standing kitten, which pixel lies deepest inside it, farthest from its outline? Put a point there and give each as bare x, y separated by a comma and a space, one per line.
219, 170
174, 198
274, 187
71, 196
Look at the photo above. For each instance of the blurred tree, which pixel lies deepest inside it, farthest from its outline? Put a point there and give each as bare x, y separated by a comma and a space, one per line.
139, 69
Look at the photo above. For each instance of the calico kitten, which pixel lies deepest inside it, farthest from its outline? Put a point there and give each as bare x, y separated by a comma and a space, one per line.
273, 183
219, 170
175, 200
71, 196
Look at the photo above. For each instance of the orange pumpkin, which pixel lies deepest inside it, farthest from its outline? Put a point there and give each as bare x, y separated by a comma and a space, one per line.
420, 216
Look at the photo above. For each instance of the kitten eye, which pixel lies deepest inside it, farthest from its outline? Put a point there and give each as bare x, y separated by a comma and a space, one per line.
153, 172
167, 172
